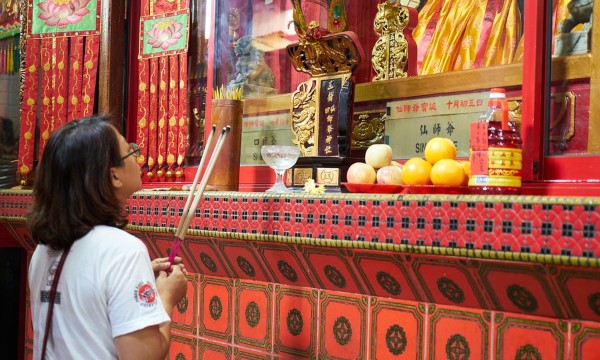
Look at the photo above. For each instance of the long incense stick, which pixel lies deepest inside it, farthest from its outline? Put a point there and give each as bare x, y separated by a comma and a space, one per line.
186, 220
209, 168
196, 178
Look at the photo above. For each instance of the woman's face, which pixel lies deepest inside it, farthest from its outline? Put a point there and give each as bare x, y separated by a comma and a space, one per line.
126, 178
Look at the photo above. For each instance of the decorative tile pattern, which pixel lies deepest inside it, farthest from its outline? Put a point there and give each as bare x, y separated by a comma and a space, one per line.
387, 275
585, 341
332, 269
456, 333
296, 319
204, 258
245, 354
579, 290
285, 265
342, 326
14, 204
562, 229
216, 310
397, 330
519, 288
182, 348
185, 313
253, 320
243, 260
213, 351
447, 281
374, 276
22, 234
530, 338
162, 244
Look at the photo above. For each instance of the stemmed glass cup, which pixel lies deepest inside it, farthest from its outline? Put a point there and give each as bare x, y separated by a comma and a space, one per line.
280, 158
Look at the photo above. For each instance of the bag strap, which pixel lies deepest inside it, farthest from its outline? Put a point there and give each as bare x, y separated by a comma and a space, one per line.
52, 298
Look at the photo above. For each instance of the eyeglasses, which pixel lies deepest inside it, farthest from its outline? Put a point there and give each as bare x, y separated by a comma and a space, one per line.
134, 150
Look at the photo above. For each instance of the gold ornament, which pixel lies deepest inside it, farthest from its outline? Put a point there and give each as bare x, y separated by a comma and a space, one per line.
390, 56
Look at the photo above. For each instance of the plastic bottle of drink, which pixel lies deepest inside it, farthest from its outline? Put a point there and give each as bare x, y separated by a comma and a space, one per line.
496, 155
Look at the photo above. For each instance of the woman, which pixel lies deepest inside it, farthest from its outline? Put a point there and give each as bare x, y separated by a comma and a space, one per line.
106, 304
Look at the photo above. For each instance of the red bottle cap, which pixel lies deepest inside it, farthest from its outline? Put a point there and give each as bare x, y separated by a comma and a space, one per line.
497, 93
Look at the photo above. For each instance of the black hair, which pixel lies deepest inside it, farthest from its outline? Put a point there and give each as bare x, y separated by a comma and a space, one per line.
73, 191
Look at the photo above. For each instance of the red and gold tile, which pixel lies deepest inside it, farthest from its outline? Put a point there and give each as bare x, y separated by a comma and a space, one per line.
204, 258
243, 260
295, 322
397, 329
182, 347
285, 265
519, 288
253, 320
458, 333
342, 326
447, 281
246, 354
526, 337
183, 318
215, 312
585, 340
208, 350
579, 290
387, 275
332, 269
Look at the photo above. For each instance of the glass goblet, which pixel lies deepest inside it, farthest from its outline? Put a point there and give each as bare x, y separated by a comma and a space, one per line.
280, 158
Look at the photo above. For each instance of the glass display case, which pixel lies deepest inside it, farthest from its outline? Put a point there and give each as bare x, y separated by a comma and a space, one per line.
541, 52
462, 50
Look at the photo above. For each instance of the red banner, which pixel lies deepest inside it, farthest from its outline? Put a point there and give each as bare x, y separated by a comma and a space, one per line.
61, 69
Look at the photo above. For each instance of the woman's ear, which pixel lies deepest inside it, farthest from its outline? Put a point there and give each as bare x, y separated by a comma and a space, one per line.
115, 178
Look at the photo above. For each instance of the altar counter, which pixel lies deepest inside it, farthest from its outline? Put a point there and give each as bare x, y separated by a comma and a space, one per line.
555, 230
521, 270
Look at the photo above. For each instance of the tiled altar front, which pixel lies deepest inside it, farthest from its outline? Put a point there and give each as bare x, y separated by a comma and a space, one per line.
341, 276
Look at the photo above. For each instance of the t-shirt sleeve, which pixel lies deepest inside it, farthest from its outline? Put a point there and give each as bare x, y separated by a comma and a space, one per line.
133, 301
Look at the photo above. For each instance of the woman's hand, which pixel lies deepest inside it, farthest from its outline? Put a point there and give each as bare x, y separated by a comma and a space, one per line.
163, 264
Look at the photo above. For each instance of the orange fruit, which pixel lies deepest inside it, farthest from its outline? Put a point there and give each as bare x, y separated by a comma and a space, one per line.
416, 172
466, 164
439, 148
447, 172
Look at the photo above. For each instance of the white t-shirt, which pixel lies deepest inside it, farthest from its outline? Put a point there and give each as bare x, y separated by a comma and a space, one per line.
106, 289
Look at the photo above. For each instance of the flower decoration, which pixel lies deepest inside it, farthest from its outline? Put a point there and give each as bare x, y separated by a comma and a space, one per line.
310, 187
62, 13
165, 34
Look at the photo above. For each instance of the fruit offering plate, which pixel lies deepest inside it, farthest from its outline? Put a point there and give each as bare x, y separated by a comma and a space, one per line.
435, 189
373, 188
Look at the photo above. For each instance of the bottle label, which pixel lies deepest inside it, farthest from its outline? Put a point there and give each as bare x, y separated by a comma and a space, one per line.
498, 181
479, 135
505, 162
502, 168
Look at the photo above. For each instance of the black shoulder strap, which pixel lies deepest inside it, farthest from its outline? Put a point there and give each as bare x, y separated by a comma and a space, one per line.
52, 299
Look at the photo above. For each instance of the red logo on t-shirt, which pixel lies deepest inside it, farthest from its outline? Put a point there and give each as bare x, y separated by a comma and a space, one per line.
145, 294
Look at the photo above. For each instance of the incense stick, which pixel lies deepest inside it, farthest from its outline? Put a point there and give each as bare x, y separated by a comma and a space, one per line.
196, 178
232, 94
209, 168
187, 219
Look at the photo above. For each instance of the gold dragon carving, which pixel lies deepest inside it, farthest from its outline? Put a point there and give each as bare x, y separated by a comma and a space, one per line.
304, 118
390, 53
